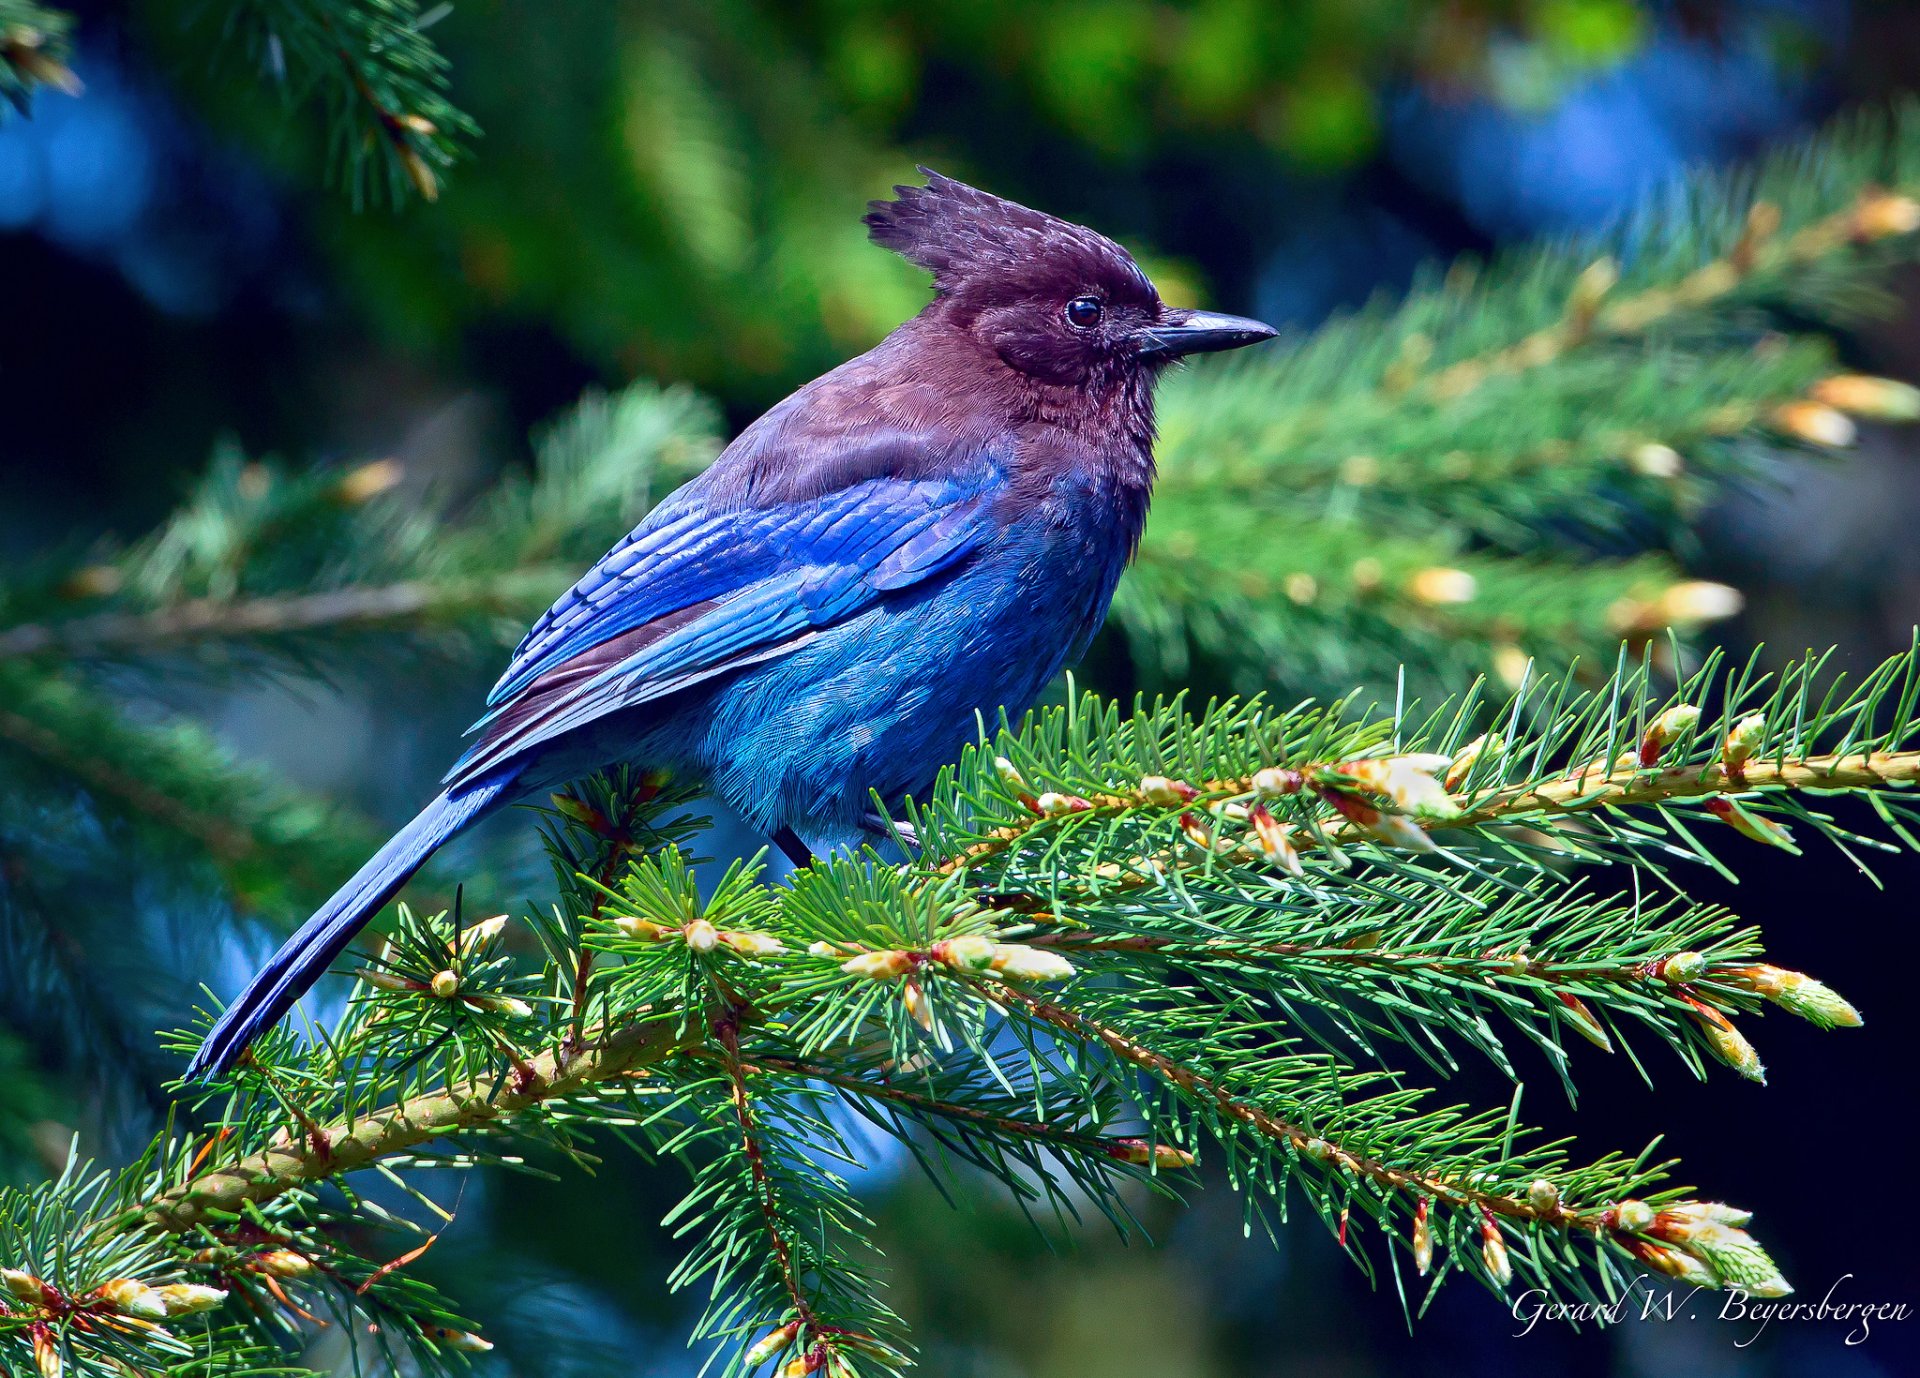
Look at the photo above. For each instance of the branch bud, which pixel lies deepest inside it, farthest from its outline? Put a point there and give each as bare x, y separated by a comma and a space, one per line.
1463, 761
1422, 1239
700, 935
1198, 831
1017, 962
1728, 1043
1543, 1196
1009, 772
479, 934
1275, 781
1744, 739
1271, 840
46, 1354
970, 952
24, 1285
1493, 1251
464, 1341
770, 1345
1797, 993
502, 1004
1140, 1153
1881, 214
1674, 1263
918, 1010
187, 1298
1438, 586
1654, 460
134, 1298
282, 1263
445, 985
1585, 1021
1165, 792
1409, 781
385, 980
1632, 1216
641, 930
753, 944
1816, 424
1750, 824
1881, 399
1663, 731
1682, 968
879, 966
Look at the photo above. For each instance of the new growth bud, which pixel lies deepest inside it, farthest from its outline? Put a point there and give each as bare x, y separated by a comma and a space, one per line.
1728, 1043
970, 952
1543, 1196
189, 1298
134, 1299
1880, 215
1422, 1239
1017, 962
1439, 586
1663, 731
1798, 993
1463, 761
445, 985
700, 935
753, 944
1273, 840
1275, 781
1816, 423
641, 930
282, 1263
1140, 1153
770, 1345
464, 1341
478, 935
879, 966
1750, 824
1585, 1021
1632, 1216
1882, 399
1493, 1251
1165, 792
1053, 805
1744, 739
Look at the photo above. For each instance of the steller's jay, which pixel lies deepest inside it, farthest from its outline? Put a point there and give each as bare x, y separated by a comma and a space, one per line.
930, 530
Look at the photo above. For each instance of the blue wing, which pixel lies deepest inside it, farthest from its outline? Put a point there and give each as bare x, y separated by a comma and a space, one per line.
696, 591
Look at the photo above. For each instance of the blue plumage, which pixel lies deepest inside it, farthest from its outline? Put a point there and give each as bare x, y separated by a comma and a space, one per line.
924, 535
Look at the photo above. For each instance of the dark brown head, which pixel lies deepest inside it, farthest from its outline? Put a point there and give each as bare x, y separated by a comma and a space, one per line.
1055, 300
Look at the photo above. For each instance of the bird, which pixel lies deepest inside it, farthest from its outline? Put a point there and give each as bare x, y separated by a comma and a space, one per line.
930, 531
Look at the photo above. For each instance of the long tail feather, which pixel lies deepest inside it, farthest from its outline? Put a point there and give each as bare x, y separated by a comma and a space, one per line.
308, 953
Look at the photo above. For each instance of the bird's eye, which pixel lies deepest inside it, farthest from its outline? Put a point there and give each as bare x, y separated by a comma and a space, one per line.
1083, 313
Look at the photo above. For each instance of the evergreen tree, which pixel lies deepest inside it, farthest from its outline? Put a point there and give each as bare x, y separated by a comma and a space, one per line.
1132, 936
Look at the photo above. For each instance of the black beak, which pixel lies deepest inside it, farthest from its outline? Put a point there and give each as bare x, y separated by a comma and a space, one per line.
1181, 332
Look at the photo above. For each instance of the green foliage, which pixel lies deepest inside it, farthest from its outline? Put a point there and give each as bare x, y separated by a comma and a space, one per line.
1319, 503
1131, 941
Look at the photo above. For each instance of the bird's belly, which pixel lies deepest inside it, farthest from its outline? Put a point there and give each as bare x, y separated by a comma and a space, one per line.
880, 703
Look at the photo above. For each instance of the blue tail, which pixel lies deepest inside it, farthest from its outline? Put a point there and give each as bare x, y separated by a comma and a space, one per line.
307, 954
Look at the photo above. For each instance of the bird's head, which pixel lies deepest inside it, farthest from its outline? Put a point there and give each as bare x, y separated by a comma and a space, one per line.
1054, 300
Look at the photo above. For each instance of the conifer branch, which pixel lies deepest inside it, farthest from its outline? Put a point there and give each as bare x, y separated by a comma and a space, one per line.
347, 1145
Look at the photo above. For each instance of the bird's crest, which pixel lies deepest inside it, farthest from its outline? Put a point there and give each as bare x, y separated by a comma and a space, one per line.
961, 234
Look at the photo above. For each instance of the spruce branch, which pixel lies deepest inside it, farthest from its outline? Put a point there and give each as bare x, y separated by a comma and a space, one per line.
379, 80
1509, 423
34, 52
1237, 920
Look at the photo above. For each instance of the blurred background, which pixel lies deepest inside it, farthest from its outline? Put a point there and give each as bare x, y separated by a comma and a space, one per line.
672, 191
